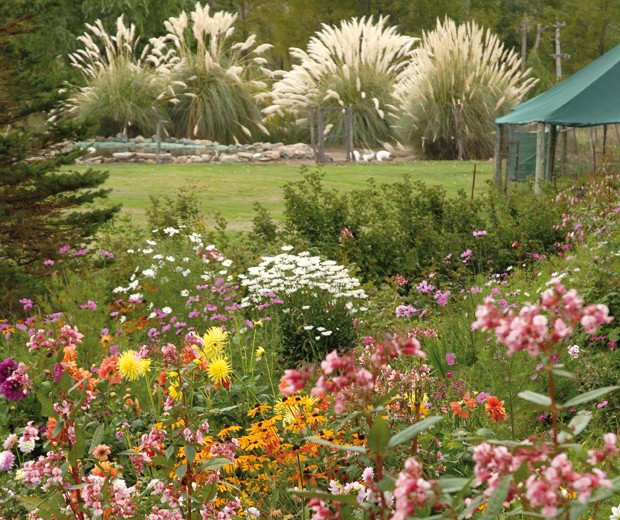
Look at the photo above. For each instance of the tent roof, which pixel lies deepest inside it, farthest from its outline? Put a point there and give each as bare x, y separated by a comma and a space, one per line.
590, 97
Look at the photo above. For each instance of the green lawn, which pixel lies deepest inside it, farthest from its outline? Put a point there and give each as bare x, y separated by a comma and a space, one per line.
232, 188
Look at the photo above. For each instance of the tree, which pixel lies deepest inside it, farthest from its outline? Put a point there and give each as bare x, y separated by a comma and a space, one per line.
41, 208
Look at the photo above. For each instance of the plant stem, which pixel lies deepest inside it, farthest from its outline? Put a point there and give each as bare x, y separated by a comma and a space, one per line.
553, 408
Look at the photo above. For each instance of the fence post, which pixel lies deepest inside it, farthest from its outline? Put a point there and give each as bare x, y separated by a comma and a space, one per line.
459, 134
320, 129
540, 158
348, 132
311, 124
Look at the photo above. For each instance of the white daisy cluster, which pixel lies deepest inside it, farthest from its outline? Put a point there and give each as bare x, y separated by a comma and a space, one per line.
287, 273
160, 268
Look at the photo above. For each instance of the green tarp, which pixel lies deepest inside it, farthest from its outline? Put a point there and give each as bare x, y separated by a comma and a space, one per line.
590, 97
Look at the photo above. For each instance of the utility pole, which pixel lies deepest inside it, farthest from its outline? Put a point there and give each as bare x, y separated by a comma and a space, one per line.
558, 53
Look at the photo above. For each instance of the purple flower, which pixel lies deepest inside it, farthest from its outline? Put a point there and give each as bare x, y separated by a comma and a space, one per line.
6, 460
479, 233
405, 311
424, 287
602, 404
482, 397
466, 253
13, 390
64, 249
27, 303
450, 358
7, 367
48, 262
80, 252
89, 305
442, 298
107, 253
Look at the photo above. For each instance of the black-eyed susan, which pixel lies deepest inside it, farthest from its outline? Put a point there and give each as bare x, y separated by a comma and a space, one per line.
219, 371
213, 342
131, 366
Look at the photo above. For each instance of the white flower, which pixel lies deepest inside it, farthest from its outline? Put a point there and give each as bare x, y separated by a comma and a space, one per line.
615, 513
227, 262
253, 511
170, 231
26, 446
287, 248
170, 258
308, 327
167, 310
130, 251
326, 333
149, 273
184, 293
151, 242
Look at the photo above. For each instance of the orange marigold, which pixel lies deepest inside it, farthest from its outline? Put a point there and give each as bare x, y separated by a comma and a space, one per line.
494, 408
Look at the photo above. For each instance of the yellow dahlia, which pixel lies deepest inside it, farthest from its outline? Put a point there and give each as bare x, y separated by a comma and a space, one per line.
213, 342
131, 366
219, 371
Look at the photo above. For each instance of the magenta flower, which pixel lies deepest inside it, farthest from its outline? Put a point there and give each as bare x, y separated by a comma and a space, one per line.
80, 252
602, 404
479, 233
450, 358
64, 249
48, 262
27, 303
7, 460
7, 367
107, 253
466, 254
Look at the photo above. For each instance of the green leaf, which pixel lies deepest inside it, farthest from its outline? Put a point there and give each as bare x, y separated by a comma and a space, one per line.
379, 435
578, 423
589, 396
533, 397
412, 431
213, 464
78, 448
47, 407
576, 509
343, 447
454, 484
65, 381
563, 373
190, 453
345, 499
496, 502
97, 437
181, 471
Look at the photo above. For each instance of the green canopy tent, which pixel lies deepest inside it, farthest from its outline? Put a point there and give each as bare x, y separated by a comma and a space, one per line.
590, 97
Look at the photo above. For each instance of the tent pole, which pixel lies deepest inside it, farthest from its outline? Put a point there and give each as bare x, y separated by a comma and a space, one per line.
551, 147
540, 158
497, 169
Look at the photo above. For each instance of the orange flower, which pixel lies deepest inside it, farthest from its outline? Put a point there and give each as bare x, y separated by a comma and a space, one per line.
109, 370
101, 452
469, 402
494, 408
458, 411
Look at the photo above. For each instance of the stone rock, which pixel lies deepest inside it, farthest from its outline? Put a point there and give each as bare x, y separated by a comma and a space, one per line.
100, 139
196, 159
267, 146
123, 156
245, 156
122, 137
225, 158
139, 139
205, 157
271, 155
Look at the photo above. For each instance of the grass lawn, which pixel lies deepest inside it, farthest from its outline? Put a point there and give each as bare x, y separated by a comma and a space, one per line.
232, 188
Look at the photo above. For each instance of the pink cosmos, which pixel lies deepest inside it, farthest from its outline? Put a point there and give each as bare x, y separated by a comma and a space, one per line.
80, 252
450, 358
48, 262
64, 249
107, 253
466, 254
27, 303
479, 233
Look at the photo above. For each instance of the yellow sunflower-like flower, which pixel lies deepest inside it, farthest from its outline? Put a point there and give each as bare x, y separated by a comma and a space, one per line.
131, 366
213, 342
219, 371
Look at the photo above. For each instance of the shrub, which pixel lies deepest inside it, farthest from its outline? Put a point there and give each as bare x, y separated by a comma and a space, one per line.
463, 65
121, 91
355, 64
214, 80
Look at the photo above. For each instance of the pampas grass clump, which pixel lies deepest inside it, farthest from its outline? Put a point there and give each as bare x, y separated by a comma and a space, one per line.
458, 64
123, 90
355, 64
215, 81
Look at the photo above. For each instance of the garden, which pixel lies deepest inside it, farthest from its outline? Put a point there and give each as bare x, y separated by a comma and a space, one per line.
363, 341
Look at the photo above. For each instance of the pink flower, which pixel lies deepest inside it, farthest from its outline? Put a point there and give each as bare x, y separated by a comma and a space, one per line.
479, 233
292, 381
411, 490
48, 262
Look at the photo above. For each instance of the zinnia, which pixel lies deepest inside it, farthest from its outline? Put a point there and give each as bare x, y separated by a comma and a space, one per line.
494, 408
219, 371
213, 342
131, 366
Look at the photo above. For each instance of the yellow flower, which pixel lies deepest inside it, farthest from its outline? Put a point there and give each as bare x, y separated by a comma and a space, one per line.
259, 352
174, 391
213, 342
131, 367
219, 371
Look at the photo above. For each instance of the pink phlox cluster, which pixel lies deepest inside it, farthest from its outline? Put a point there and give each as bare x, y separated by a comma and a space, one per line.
120, 502
412, 490
321, 511
151, 445
534, 332
228, 512
169, 495
611, 449
163, 514
226, 449
44, 340
44, 471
